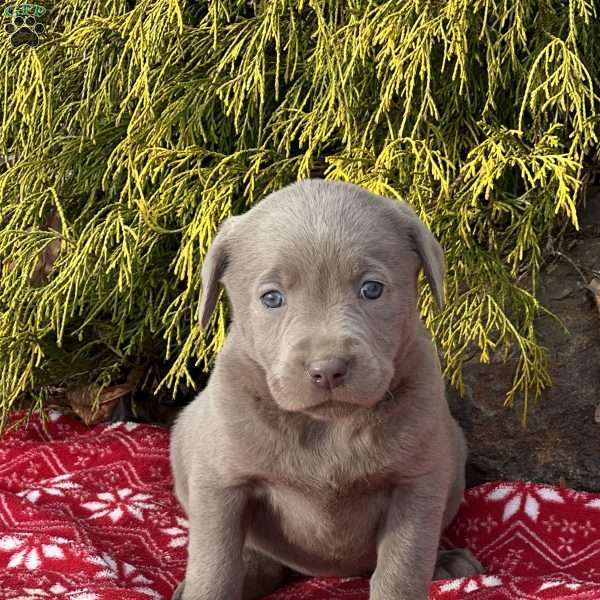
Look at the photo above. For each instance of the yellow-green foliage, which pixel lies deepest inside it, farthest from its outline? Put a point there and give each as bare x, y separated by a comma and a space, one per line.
144, 124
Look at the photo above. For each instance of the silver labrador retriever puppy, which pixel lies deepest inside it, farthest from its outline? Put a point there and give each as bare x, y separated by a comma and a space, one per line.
323, 443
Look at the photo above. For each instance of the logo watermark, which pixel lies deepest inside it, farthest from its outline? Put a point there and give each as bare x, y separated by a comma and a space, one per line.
25, 26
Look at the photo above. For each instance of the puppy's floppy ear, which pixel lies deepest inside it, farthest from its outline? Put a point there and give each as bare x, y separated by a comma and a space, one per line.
213, 270
432, 259
430, 251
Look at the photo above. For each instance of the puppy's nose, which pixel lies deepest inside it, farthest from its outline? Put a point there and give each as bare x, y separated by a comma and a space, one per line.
328, 373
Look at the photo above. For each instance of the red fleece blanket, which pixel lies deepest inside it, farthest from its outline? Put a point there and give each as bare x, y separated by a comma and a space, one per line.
89, 514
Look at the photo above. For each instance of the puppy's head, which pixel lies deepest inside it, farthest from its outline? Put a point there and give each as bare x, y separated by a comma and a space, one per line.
322, 280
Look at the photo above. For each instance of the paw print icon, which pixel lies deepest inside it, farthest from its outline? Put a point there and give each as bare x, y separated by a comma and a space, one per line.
24, 31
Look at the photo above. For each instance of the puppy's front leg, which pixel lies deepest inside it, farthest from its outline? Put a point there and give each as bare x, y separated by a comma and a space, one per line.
407, 544
215, 568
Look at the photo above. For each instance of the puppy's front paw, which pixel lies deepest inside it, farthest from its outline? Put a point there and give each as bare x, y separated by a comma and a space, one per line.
178, 593
456, 563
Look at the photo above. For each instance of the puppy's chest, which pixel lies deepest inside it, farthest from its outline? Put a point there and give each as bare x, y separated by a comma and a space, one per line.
336, 483
335, 519
329, 469
322, 503
331, 490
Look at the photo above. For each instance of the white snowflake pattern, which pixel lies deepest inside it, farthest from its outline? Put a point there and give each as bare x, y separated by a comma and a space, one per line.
506, 565
56, 589
55, 486
471, 584
472, 524
157, 472
178, 534
115, 506
489, 523
586, 528
473, 493
127, 425
529, 502
571, 527
82, 461
33, 593
29, 554
576, 495
124, 572
550, 523
554, 583
565, 544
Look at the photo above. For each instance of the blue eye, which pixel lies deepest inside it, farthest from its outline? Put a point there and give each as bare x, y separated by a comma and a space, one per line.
371, 290
272, 299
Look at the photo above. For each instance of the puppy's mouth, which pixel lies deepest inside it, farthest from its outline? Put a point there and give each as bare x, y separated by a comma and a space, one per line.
331, 409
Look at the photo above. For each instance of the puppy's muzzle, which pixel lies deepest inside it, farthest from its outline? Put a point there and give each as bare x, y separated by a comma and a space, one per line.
328, 373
